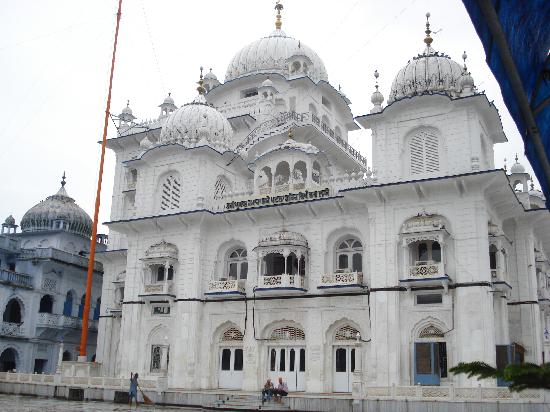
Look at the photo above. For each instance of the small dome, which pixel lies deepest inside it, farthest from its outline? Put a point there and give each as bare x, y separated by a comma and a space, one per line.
194, 122
429, 72
270, 55
377, 98
536, 193
58, 207
168, 99
267, 83
210, 76
284, 238
127, 110
10, 220
517, 167
467, 81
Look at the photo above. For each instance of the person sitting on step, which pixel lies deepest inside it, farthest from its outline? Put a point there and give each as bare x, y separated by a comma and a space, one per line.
267, 391
282, 390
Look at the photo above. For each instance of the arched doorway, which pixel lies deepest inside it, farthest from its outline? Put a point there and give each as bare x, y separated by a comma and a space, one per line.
68, 305
8, 360
12, 312
287, 357
430, 357
345, 356
231, 359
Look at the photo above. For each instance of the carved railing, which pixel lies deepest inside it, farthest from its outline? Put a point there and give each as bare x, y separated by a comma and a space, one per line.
289, 119
59, 255
342, 279
226, 286
281, 281
53, 320
426, 270
11, 329
163, 288
15, 279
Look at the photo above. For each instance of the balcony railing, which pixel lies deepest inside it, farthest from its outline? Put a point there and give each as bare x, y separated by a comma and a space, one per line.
344, 279
226, 286
15, 279
59, 255
52, 320
423, 270
163, 288
284, 281
11, 329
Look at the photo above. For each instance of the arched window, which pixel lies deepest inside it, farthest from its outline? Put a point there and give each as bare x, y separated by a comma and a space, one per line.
81, 306
237, 264
46, 304
68, 305
426, 252
97, 309
282, 175
232, 335
159, 273
349, 256
8, 360
299, 174
430, 356
170, 192
424, 152
12, 312
66, 356
347, 333
264, 180
316, 172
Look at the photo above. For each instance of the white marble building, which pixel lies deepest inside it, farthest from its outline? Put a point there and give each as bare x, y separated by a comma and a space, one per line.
42, 283
249, 240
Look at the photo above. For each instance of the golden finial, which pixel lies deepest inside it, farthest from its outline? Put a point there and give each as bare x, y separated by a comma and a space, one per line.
428, 40
290, 134
278, 7
201, 89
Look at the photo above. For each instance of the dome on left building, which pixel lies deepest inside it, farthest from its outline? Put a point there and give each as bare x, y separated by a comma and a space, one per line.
57, 212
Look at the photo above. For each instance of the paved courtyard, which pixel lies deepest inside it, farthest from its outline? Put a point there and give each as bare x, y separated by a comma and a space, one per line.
15, 403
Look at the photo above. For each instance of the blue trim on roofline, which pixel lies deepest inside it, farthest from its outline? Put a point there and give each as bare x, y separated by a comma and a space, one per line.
233, 292
354, 285
282, 288
185, 148
425, 279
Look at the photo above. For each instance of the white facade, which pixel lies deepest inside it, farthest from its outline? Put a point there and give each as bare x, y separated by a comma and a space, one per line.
42, 282
249, 240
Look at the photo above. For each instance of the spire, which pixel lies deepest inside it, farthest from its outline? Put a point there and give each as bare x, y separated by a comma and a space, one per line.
464, 57
63, 182
278, 22
62, 191
290, 134
201, 88
377, 98
428, 40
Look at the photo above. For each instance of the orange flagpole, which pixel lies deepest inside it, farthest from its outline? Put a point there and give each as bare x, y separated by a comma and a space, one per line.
86, 313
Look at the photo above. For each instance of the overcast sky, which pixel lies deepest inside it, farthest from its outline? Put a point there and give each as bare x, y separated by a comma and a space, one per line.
56, 55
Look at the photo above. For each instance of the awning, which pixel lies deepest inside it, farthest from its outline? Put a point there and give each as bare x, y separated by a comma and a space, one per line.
516, 38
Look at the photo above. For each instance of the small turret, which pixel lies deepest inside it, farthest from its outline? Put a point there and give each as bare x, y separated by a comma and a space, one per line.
126, 117
210, 81
377, 98
167, 106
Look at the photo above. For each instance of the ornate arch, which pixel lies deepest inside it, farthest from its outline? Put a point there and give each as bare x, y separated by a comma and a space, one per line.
169, 191
228, 327
158, 334
336, 327
290, 328
429, 328
19, 300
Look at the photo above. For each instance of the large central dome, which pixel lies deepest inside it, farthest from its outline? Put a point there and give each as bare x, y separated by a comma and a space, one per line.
274, 54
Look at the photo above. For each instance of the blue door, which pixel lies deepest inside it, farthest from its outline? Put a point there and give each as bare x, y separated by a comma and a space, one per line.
504, 358
427, 363
68, 306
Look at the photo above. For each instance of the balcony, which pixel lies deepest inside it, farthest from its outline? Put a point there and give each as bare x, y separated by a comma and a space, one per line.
226, 288
8, 277
11, 329
158, 290
60, 256
57, 321
426, 273
286, 283
342, 281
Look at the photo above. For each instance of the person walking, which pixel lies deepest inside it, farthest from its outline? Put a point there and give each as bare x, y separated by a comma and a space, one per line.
133, 388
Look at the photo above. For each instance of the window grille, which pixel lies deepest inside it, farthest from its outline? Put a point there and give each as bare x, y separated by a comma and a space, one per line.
288, 333
170, 193
232, 334
347, 333
156, 357
424, 152
431, 332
